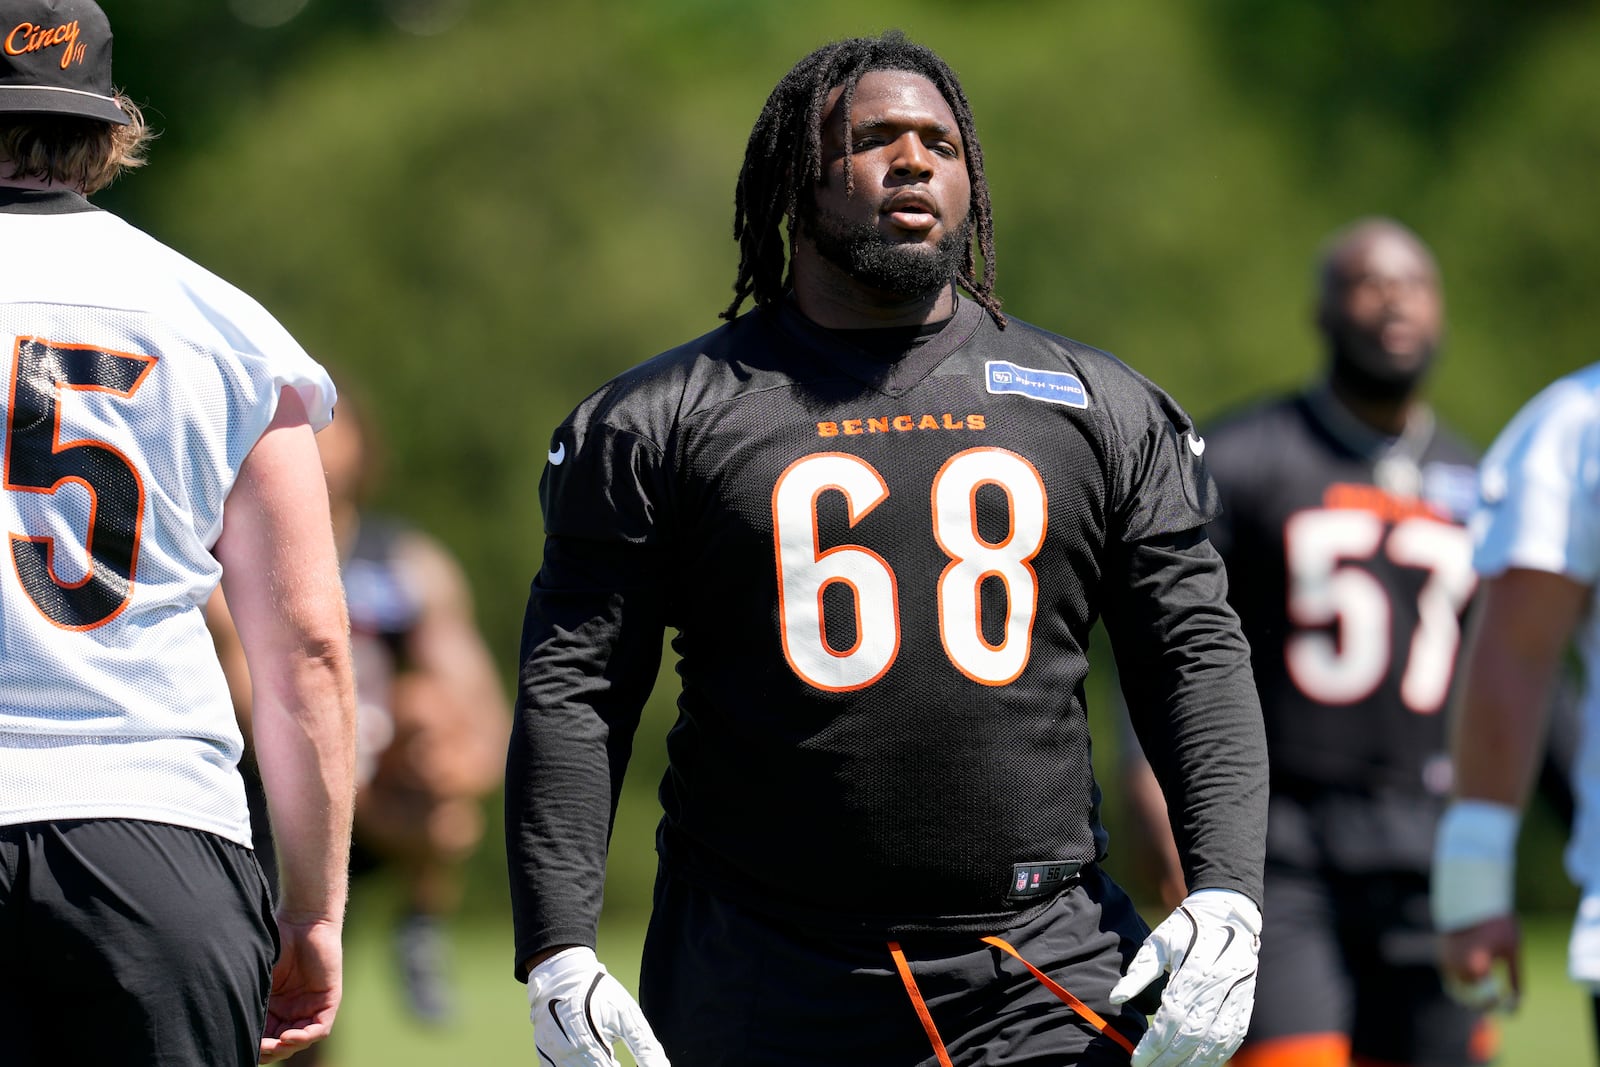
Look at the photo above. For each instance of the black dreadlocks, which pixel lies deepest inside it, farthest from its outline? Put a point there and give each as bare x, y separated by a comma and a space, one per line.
783, 161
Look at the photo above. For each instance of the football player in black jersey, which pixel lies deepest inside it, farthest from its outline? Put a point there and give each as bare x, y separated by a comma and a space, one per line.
881, 519
1351, 569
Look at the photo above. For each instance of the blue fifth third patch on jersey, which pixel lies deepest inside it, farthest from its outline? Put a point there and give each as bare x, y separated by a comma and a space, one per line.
1051, 386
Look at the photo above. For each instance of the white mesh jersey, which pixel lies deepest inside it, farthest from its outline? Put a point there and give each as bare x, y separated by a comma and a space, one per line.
133, 383
1540, 510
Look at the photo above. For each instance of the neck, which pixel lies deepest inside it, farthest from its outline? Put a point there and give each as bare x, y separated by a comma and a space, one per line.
13, 182
830, 297
1387, 415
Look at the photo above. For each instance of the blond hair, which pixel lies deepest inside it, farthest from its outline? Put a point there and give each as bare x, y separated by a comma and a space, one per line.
80, 153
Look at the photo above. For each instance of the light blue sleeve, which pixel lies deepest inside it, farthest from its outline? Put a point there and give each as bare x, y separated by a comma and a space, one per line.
1539, 486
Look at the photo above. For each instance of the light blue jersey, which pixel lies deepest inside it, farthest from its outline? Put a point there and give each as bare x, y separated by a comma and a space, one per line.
1539, 509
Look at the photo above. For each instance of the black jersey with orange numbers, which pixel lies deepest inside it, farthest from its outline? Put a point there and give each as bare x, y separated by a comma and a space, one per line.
882, 575
1351, 570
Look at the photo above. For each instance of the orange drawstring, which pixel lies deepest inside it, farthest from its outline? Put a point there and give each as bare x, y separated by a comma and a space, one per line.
917, 1002
1088, 1014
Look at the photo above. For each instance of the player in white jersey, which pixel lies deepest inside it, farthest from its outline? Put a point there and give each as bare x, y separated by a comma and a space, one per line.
1537, 534
155, 436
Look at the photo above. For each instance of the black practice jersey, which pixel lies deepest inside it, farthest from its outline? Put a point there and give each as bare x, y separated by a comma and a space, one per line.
882, 574
1351, 570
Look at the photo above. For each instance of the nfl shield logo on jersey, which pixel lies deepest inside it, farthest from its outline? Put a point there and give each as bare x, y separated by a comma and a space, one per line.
1022, 881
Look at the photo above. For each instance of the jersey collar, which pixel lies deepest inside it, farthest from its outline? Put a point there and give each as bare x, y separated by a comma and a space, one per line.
42, 201
1340, 423
892, 377
1396, 462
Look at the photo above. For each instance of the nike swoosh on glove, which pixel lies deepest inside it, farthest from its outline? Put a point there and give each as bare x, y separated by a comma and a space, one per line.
580, 1012
1209, 945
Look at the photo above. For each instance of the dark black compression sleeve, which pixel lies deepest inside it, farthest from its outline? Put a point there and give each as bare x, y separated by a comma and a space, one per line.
591, 647
1185, 669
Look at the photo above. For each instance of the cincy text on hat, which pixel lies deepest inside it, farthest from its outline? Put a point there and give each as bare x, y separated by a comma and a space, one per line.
33, 38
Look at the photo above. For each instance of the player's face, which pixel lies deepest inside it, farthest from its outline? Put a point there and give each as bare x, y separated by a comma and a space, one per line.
904, 226
1385, 313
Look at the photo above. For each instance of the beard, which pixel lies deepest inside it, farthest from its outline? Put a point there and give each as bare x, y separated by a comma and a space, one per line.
872, 259
1374, 376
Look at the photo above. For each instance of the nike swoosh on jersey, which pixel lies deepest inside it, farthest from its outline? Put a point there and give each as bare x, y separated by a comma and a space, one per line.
559, 455
1197, 445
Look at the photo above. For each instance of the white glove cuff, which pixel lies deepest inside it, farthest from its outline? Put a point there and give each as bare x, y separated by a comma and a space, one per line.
1226, 903
561, 967
1474, 861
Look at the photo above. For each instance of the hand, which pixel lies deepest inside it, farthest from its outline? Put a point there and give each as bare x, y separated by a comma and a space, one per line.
580, 1012
1470, 901
1467, 959
1208, 945
306, 987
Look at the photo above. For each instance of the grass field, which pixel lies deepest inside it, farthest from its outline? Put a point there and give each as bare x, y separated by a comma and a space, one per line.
1550, 1030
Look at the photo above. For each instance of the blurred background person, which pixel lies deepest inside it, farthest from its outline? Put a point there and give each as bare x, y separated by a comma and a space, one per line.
433, 719
1349, 564
1537, 535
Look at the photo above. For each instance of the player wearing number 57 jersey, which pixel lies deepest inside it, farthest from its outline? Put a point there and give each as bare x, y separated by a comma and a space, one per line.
1351, 569
882, 520
155, 437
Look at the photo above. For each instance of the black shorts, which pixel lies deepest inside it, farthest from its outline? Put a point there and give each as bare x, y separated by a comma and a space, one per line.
725, 987
1353, 957
131, 942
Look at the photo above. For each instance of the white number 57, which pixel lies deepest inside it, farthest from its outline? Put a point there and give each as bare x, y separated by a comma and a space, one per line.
1345, 666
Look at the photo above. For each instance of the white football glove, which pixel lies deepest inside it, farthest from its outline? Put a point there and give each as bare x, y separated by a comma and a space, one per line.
1209, 947
580, 1012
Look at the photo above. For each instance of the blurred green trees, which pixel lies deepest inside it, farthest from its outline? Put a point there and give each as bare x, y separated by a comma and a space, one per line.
476, 228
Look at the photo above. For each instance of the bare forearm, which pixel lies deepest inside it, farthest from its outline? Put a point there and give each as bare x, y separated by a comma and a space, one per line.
305, 746
280, 574
1499, 734
1513, 656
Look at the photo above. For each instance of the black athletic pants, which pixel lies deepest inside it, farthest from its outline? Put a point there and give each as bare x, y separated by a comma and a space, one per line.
131, 942
725, 987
